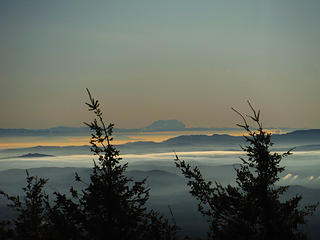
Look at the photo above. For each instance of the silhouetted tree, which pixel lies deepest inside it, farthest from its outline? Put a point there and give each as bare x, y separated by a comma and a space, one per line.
36, 218
112, 206
251, 209
6, 232
33, 221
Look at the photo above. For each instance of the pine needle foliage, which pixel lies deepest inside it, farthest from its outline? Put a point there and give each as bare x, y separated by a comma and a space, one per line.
251, 209
32, 221
112, 206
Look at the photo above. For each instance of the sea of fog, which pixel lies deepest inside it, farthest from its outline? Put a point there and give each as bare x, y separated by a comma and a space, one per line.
302, 168
168, 186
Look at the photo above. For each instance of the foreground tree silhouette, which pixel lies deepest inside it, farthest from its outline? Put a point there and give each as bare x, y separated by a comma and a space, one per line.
252, 209
112, 206
33, 221
36, 219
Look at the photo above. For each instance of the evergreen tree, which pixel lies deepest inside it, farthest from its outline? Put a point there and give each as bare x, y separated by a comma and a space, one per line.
112, 206
33, 221
251, 209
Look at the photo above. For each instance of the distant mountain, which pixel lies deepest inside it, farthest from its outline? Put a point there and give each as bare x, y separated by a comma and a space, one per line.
45, 150
198, 140
27, 155
35, 155
55, 131
303, 140
303, 133
163, 125
301, 137
156, 126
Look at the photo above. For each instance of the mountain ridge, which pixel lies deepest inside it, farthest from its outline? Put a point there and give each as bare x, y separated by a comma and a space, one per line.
302, 139
156, 126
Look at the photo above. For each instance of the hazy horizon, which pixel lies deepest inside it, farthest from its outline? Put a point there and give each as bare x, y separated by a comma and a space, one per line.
234, 127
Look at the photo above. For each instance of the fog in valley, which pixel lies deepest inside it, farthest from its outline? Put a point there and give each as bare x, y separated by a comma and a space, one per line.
155, 162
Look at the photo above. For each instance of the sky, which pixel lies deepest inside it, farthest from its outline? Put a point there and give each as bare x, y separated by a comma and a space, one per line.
149, 60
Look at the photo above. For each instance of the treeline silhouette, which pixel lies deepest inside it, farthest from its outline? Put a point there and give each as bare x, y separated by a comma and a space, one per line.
113, 206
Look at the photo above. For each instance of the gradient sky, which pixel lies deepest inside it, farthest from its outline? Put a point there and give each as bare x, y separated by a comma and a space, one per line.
169, 59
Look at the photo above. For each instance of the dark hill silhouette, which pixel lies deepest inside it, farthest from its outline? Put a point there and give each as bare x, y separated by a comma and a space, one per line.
156, 126
35, 155
222, 139
303, 140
